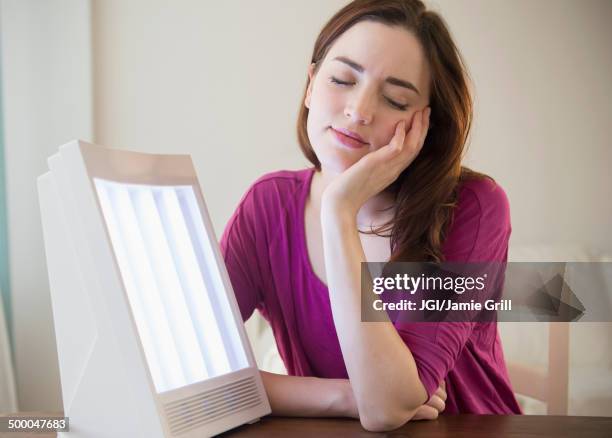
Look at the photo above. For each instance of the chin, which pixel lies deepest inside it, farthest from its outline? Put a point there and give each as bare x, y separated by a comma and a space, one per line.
333, 156
336, 162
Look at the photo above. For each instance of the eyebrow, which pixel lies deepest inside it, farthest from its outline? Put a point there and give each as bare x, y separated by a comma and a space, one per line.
391, 80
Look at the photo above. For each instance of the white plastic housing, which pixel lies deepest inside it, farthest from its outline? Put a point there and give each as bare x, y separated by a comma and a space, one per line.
149, 335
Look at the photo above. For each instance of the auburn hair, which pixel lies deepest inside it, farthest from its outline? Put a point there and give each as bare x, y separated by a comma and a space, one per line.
425, 193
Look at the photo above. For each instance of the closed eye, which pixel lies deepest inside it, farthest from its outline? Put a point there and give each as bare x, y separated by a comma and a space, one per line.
396, 105
339, 82
391, 102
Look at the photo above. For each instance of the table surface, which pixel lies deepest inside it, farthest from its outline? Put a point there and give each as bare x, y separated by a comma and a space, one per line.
456, 426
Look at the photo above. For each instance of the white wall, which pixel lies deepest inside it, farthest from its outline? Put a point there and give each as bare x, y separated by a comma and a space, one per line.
222, 81
46, 68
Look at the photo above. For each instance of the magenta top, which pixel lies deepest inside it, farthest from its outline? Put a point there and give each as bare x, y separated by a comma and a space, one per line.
264, 247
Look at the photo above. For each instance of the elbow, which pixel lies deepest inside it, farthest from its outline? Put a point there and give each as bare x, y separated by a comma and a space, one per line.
387, 413
384, 421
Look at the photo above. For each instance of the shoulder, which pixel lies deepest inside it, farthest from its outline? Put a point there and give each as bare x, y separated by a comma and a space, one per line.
271, 196
280, 183
484, 197
481, 226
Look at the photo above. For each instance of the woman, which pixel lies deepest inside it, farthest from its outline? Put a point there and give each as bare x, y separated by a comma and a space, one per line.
384, 121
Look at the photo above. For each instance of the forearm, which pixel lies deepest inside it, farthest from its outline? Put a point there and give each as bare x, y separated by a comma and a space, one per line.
309, 396
381, 368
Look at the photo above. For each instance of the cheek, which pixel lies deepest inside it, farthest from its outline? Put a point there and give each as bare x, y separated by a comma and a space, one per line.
326, 101
386, 128
385, 132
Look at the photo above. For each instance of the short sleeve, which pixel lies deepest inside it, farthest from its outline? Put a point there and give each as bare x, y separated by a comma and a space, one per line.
481, 227
241, 248
479, 233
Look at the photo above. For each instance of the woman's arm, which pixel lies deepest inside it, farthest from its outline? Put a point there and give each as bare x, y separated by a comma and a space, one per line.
315, 397
309, 396
381, 369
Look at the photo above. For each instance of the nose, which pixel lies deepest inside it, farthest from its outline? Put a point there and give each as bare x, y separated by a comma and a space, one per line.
360, 108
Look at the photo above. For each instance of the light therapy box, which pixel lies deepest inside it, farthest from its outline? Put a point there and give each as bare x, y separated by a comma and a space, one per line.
149, 335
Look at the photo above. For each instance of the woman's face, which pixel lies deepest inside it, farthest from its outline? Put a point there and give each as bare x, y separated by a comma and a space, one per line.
373, 76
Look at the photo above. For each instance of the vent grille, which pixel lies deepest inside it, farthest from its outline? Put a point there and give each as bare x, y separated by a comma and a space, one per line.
202, 408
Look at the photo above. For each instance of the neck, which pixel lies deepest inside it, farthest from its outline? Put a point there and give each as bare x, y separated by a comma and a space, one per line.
375, 212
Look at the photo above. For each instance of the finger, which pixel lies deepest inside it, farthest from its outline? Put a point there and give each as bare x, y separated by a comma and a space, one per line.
425, 412
411, 146
436, 403
414, 134
425, 129
419, 130
442, 394
400, 135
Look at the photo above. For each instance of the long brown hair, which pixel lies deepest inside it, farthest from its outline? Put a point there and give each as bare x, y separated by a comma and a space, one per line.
425, 193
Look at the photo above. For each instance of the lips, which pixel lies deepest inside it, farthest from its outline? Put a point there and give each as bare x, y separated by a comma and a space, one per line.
349, 138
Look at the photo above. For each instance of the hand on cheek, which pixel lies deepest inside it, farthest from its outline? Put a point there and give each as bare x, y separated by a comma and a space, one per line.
407, 121
411, 134
376, 170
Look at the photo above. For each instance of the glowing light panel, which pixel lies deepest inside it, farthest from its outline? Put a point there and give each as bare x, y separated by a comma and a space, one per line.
172, 282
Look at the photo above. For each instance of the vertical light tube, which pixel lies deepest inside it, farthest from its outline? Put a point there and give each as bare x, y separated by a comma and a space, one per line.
208, 321
204, 251
143, 323
170, 290
146, 287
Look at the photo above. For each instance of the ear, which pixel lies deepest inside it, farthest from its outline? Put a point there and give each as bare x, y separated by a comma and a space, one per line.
311, 75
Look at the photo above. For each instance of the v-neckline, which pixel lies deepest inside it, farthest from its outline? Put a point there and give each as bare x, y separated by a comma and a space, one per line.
302, 227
